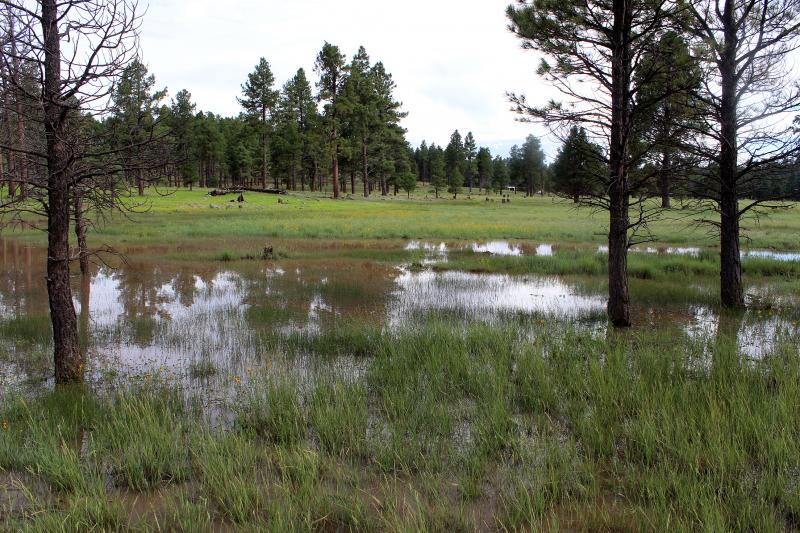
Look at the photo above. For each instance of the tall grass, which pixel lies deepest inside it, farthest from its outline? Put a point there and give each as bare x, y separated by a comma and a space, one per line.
451, 428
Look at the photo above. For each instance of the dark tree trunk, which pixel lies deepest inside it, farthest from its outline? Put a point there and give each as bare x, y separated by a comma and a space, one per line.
365, 168
86, 287
731, 291
140, 182
80, 232
619, 196
20, 167
12, 169
67, 356
664, 178
265, 151
314, 176
353, 180
335, 177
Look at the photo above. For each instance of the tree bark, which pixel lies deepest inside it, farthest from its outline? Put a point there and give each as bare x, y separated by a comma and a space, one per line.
335, 177
67, 356
140, 182
353, 180
19, 169
365, 168
664, 178
86, 287
731, 292
80, 232
618, 191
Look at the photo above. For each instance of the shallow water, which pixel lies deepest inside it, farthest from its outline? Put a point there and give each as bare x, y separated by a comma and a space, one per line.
149, 318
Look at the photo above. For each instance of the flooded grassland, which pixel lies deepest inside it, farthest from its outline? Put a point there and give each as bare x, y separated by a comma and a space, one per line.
401, 385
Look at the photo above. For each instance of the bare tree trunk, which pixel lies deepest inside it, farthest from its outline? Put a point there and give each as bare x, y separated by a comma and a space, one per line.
314, 176
80, 232
619, 199
86, 287
3, 175
140, 182
664, 178
67, 356
731, 291
365, 168
19, 169
335, 176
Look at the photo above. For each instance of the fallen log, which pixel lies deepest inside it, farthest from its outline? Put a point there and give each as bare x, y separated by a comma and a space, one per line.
240, 190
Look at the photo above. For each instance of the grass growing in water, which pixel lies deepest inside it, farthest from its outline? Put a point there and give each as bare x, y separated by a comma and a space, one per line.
466, 428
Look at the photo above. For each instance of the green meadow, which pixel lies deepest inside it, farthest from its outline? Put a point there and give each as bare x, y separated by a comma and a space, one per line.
185, 217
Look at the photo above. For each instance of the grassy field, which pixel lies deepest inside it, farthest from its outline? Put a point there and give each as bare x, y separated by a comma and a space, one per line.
188, 217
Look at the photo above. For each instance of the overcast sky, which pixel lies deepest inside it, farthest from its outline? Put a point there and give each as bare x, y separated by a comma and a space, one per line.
452, 61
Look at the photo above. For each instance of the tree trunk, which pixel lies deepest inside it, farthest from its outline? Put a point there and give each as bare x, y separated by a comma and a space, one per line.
619, 199
365, 168
731, 291
353, 180
314, 176
80, 232
86, 287
140, 182
335, 177
67, 356
664, 178
19, 169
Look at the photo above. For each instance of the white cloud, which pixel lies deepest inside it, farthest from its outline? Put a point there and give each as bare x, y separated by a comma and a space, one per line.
452, 61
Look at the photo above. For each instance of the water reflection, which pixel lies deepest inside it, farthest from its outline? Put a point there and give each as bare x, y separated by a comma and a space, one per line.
496, 248
757, 336
769, 254
486, 296
166, 318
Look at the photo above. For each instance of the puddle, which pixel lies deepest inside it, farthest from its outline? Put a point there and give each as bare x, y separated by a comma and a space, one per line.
496, 248
166, 319
757, 336
695, 252
486, 296
661, 250
769, 254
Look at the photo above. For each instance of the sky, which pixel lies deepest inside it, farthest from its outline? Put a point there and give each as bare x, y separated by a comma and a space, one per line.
452, 61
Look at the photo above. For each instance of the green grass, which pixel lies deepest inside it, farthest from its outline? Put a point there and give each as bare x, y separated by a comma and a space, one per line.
189, 219
450, 428
640, 265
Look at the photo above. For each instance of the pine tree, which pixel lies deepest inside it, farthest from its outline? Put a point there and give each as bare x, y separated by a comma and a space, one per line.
135, 111
259, 99
182, 129
454, 155
601, 46
456, 182
578, 166
389, 134
470, 152
298, 121
500, 176
330, 65
484, 167
438, 169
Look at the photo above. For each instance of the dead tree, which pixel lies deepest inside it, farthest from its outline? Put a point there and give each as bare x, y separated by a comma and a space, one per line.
75, 49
